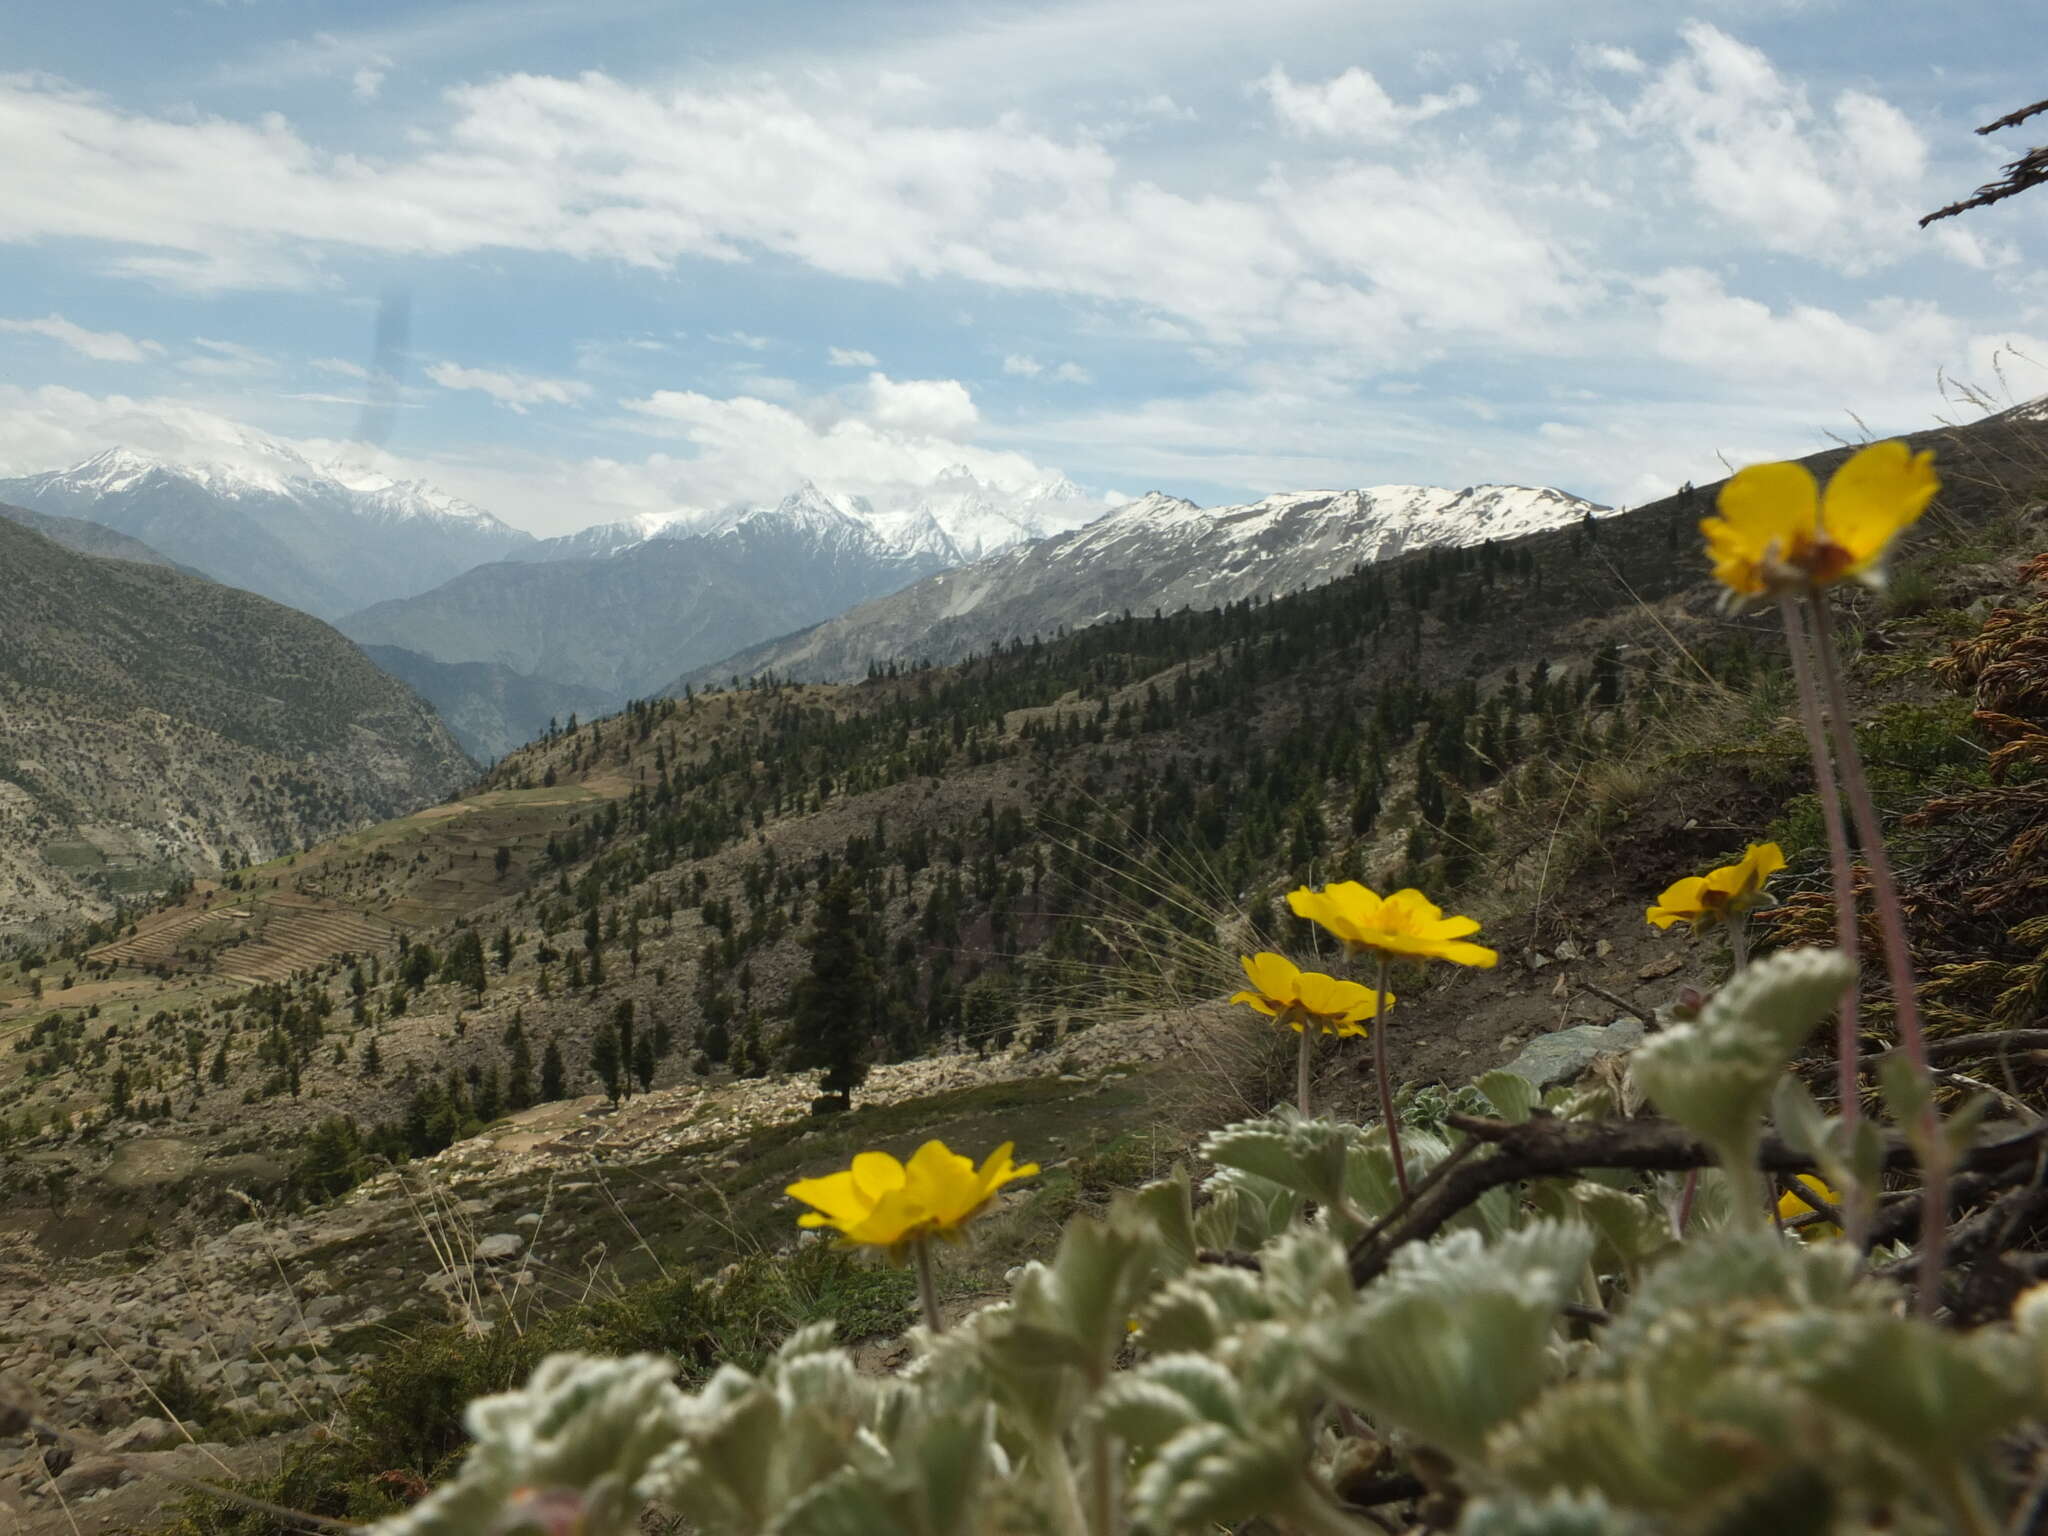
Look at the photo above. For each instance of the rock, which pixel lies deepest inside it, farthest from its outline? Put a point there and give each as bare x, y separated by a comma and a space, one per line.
142, 1435
93, 1474
1567, 949
500, 1247
529, 1219
321, 1308
1663, 966
1560, 1057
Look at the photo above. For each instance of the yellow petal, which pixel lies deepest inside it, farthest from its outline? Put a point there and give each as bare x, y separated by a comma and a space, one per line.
1257, 1000
1275, 976
1330, 997
1768, 512
1470, 954
1683, 899
875, 1174
943, 1182
896, 1218
1451, 928
836, 1195
1871, 499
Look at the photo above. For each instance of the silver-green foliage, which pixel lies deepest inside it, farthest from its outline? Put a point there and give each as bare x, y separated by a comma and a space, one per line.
1737, 1380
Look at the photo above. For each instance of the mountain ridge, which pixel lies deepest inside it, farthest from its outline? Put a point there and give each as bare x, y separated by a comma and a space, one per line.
276, 524
157, 725
1156, 552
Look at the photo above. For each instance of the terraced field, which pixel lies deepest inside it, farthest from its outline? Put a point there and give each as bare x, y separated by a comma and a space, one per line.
172, 939
294, 933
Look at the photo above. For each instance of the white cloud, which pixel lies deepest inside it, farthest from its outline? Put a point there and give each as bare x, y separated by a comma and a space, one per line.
850, 357
925, 407
600, 170
226, 360
1022, 365
100, 346
1841, 187
1607, 56
514, 390
880, 439
366, 82
1352, 105
744, 339
340, 365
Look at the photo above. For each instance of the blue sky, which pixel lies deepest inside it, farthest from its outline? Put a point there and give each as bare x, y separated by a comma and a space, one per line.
654, 255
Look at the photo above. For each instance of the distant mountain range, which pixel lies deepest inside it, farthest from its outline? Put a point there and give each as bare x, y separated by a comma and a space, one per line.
154, 723
501, 630
324, 540
626, 622
1159, 552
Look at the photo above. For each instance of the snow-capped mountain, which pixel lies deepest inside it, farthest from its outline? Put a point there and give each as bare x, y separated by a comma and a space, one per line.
1158, 552
624, 620
325, 539
957, 518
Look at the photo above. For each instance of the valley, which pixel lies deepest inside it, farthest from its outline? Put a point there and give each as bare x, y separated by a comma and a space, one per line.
540, 1043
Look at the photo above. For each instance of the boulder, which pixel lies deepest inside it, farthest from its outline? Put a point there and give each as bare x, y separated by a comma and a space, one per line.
500, 1247
93, 1474
142, 1435
1560, 1057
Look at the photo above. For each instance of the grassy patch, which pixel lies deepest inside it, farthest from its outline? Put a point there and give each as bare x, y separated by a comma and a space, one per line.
405, 1416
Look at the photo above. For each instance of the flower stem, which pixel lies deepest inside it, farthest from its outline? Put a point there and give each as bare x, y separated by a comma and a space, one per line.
1302, 1061
1798, 644
1686, 1196
927, 1285
1059, 1471
1379, 1068
1898, 959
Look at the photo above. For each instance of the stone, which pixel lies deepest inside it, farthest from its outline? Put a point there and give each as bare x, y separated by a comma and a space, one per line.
142, 1435
529, 1219
321, 1308
1662, 966
1560, 1057
92, 1475
500, 1247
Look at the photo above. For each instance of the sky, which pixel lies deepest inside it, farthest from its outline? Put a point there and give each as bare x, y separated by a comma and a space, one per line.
579, 259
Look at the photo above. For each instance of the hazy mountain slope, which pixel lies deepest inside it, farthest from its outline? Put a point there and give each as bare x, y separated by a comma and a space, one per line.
1158, 552
626, 624
153, 722
278, 525
86, 538
489, 708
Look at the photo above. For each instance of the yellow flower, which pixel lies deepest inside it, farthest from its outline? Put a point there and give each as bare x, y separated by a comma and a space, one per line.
1727, 892
886, 1203
1282, 990
1777, 529
1405, 923
1791, 1207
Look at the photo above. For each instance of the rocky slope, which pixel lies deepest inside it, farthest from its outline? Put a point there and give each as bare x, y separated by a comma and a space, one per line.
324, 540
154, 723
1156, 553
488, 708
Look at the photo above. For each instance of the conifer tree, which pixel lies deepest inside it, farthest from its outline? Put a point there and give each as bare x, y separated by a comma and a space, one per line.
553, 1085
605, 1061
837, 1002
519, 1070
